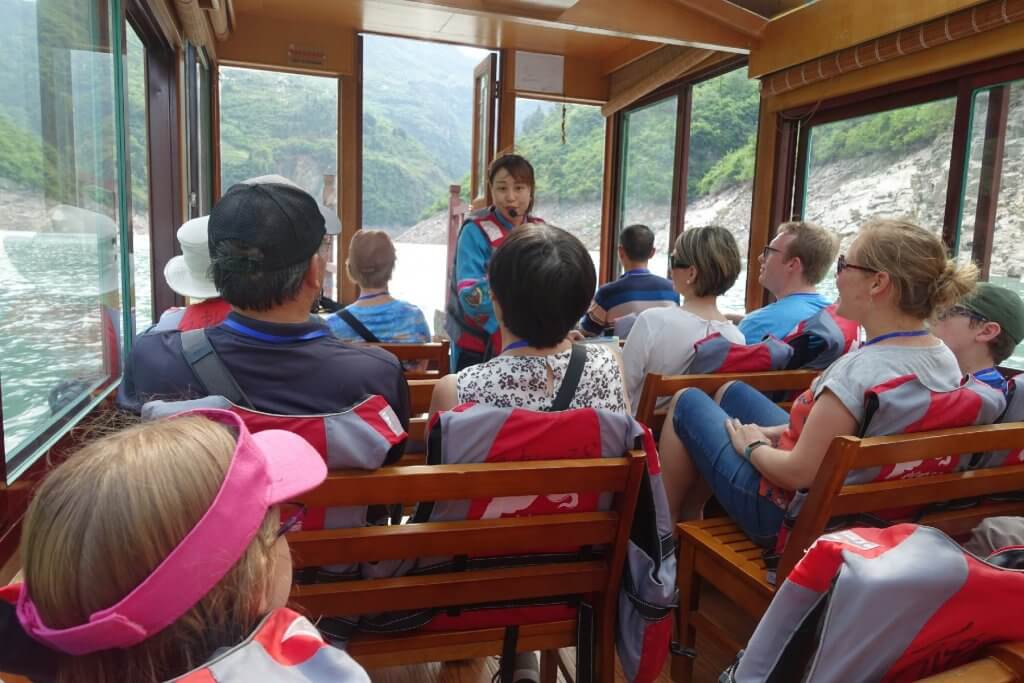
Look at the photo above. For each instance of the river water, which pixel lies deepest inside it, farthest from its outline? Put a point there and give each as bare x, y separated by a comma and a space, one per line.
52, 293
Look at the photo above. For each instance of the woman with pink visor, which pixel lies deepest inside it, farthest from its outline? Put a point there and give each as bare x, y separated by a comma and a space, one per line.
158, 553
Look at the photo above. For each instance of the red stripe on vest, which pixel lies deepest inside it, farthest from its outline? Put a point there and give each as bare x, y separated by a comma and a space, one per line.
204, 314
284, 648
954, 406
816, 570
378, 415
746, 359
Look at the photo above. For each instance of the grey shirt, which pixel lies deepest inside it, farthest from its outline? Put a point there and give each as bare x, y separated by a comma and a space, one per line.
856, 372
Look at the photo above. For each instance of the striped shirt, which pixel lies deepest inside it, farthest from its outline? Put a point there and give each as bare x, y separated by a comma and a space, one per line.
635, 291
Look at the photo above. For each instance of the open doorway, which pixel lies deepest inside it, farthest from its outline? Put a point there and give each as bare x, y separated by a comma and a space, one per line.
417, 140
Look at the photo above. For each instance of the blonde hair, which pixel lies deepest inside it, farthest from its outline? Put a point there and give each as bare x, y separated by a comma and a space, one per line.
103, 520
371, 258
815, 246
713, 251
924, 279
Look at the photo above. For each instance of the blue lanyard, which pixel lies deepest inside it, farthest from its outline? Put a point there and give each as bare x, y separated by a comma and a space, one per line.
372, 296
891, 335
636, 271
516, 345
272, 338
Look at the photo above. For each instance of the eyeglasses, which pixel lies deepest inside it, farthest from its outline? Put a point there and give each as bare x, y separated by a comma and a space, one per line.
842, 265
676, 263
767, 251
958, 310
292, 515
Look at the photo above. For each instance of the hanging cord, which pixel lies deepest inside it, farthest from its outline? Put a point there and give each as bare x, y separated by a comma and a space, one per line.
563, 122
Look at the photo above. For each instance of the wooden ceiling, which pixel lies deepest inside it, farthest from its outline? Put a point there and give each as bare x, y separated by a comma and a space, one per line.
595, 29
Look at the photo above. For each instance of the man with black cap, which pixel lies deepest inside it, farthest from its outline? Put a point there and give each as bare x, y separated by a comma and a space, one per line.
268, 248
982, 331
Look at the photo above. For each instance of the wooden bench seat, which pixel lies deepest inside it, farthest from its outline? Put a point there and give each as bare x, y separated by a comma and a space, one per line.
436, 354
661, 386
715, 552
597, 577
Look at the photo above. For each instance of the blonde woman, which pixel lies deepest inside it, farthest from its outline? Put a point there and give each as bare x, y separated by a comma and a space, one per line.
160, 550
705, 264
376, 316
753, 455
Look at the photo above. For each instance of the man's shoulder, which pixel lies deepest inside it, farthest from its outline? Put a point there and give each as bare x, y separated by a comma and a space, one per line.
349, 353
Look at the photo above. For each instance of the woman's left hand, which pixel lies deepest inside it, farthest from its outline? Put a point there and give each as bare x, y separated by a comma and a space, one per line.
742, 435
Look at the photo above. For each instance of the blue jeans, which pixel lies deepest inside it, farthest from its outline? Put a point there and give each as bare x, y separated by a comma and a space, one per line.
700, 424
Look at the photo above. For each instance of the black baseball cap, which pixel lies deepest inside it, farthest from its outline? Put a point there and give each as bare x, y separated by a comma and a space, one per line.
282, 222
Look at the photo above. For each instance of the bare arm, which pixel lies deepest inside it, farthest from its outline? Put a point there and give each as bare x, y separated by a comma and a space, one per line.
796, 469
446, 395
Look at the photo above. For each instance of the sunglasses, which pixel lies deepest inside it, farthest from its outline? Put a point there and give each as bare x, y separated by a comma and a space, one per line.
954, 311
767, 251
292, 515
676, 263
842, 265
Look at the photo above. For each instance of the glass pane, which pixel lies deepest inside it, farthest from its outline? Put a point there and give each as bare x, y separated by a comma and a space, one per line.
138, 149
892, 164
417, 142
481, 154
649, 150
205, 150
720, 177
59, 274
992, 109
565, 144
284, 124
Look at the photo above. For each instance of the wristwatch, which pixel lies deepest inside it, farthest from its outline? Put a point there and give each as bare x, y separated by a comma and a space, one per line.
749, 450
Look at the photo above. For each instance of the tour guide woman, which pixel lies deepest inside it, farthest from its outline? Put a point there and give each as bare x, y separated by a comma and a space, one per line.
471, 323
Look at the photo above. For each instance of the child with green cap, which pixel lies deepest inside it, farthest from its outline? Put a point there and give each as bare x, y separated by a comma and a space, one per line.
983, 330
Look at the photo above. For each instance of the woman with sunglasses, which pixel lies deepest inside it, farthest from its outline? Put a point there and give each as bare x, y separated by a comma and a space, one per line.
749, 452
705, 264
159, 552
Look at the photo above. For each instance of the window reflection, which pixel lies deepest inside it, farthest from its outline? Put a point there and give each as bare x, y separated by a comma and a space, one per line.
138, 150
59, 272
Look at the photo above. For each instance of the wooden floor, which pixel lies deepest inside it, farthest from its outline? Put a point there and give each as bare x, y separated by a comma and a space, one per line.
712, 659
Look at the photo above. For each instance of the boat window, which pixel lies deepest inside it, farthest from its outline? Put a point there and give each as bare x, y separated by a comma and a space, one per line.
565, 144
197, 123
648, 156
888, 164
138, 150
992, 210
720, 172
60, 279
284, 124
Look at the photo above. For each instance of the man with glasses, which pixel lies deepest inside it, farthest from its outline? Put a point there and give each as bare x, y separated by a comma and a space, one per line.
982, 331
269, 242
791, 267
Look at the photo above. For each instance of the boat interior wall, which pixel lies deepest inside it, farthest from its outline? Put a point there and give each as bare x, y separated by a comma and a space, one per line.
292, 44
821, 27
990, 45
740, 18
663, 66
350, 163
166, 19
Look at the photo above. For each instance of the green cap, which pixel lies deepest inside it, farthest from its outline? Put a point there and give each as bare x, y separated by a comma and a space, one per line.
1000, 305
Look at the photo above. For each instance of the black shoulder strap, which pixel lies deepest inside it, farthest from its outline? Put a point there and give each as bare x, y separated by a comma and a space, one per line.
357, 326
573, 373
210, 369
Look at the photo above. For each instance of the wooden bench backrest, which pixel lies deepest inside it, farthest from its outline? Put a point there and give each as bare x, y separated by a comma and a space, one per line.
828, 497
657, 386
599, 576
436, 353
420, 393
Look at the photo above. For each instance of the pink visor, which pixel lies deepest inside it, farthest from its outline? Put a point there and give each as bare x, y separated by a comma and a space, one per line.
267, 468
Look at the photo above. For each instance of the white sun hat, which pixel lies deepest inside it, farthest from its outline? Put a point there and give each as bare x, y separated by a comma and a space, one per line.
188, 274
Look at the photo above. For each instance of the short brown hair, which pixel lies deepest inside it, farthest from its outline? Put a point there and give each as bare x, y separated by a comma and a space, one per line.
923, 277
371, 258
1001, 346
815, 246
714, 253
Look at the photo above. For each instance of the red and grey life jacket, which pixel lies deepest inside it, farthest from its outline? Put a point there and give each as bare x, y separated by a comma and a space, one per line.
197, 316
464, 330
284, 647
895, 604
366, 436
821, 339
903, 405
714, 353
1014, 413
474, 433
